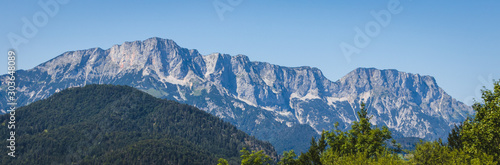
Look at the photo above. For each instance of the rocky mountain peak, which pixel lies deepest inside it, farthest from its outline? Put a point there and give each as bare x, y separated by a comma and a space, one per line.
371, 77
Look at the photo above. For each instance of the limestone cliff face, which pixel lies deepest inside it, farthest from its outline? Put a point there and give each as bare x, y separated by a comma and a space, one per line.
411, 104
271, 102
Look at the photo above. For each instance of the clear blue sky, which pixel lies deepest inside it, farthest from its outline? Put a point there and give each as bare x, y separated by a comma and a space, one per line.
457, 42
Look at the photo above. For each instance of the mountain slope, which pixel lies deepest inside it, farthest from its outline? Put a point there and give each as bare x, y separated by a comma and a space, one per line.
284, 105
100, 124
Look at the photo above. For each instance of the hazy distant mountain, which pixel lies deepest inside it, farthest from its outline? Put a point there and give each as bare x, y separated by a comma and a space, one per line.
106, 124
284, 105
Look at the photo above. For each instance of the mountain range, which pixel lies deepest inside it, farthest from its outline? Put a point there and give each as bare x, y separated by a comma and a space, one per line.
283, 105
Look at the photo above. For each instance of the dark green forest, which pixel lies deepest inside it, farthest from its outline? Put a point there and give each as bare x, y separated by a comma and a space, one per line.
107, 124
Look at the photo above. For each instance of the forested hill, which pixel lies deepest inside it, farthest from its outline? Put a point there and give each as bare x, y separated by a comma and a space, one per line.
99, 124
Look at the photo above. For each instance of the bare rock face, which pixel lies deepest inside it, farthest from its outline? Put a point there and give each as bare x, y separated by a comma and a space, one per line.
284, 105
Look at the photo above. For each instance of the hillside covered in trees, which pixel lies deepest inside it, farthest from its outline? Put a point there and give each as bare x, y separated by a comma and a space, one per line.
107, 124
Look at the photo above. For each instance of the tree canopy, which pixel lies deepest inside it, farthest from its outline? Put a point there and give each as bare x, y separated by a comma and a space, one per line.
482, 133
362, 137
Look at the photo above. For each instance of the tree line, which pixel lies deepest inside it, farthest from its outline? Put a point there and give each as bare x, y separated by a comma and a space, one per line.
475, 141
